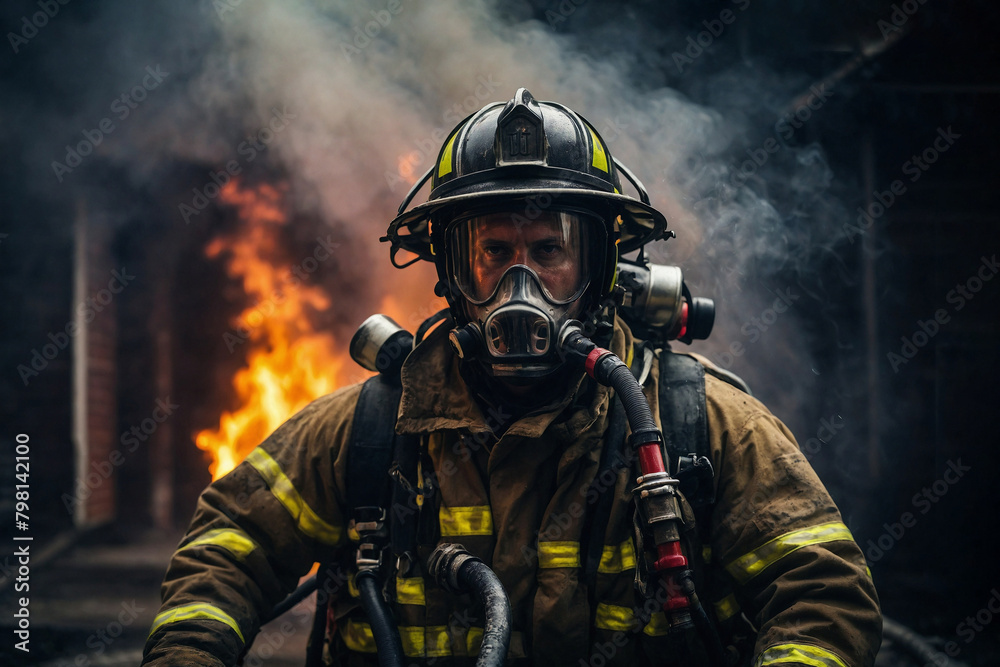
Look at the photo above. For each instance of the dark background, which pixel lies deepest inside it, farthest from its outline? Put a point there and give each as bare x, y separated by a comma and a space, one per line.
892, 88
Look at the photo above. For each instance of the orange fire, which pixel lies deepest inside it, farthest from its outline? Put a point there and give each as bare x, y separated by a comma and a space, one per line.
407, 165
289, 363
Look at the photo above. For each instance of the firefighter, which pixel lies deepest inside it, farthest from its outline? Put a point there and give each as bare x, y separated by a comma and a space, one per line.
525, 223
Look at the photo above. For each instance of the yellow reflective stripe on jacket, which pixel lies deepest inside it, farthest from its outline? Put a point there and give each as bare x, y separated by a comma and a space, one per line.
657, 626
613, 617
232, 540
412, 638
727, 607
622, 619
474, 520
558, 554
195, 611
357, 636
417, 641
410, 590
307, 519
804, 654
437, 642
420, 642
617, 559
748, 566
473, 641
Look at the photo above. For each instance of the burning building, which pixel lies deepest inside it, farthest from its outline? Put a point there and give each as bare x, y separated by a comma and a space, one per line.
196, 191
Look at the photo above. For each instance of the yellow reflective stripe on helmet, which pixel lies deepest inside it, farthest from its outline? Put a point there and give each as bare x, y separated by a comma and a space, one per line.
307, 519
444, 166
410, 590
195, 611
748, 566
657, 626
600, 157
727, 607
357, 636
617, 559
232, 540
558, 554
803, 654
474, 520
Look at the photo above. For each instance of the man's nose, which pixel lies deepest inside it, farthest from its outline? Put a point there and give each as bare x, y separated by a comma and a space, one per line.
521, 254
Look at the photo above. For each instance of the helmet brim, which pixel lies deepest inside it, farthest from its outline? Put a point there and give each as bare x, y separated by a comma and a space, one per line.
640, 223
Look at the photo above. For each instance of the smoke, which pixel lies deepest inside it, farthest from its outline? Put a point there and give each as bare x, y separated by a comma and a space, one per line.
365, 93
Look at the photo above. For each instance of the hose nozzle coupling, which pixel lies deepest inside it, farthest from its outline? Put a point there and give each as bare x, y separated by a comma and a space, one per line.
446, 562
598, 362
457, 571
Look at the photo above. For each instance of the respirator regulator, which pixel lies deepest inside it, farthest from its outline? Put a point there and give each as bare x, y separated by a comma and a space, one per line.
518, 324
518, 282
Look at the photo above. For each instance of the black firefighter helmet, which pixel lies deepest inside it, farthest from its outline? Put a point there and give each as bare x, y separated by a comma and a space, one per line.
524, 158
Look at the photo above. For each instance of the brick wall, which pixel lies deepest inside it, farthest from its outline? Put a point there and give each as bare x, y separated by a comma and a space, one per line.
95, 371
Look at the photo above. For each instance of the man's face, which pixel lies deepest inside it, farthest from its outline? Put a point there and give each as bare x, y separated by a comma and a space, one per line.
552, 245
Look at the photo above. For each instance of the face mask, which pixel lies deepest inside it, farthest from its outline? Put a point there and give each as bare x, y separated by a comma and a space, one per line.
521, 281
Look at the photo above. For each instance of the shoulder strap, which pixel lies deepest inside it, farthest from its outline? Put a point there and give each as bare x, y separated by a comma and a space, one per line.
370, 448
684, 420
380, 465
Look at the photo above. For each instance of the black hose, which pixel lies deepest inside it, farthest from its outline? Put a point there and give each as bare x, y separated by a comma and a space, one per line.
620, 378
297, 596
387, 643
458, 571
317, 634
915, 645
709, 635
488, 590
611, 371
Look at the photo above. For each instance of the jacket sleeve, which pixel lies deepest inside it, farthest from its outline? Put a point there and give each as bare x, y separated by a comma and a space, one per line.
255, 532
800, 576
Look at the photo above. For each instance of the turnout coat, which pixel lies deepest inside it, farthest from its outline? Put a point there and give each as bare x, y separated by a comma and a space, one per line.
775, 557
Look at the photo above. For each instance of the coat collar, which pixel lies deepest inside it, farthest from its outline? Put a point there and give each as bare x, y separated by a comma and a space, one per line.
435, 397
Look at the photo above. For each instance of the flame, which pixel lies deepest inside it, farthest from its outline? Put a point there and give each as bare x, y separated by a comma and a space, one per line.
407, 166
289, 363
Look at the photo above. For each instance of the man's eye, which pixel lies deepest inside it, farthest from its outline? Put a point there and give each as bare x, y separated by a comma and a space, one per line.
495, 250
550, 249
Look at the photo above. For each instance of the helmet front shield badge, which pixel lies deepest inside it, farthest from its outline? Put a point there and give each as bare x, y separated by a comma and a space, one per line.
510, 285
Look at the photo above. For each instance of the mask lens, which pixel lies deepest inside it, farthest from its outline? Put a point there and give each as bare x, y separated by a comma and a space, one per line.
556, 246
